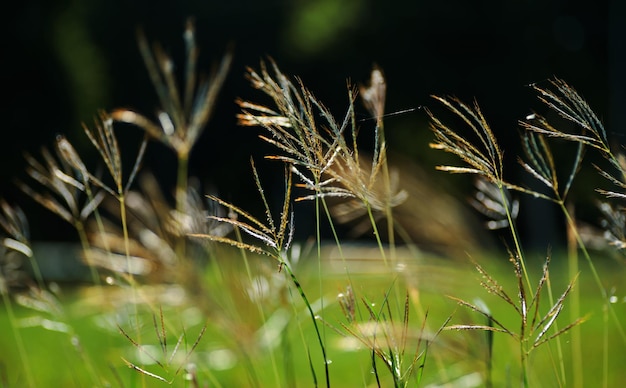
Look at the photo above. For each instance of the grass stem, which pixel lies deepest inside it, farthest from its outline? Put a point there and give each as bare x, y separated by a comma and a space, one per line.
18, 339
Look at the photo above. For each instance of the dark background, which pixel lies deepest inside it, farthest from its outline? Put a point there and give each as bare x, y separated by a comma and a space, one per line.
61, 61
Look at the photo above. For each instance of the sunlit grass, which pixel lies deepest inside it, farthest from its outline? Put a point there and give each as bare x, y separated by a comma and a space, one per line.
190, 289
216, 358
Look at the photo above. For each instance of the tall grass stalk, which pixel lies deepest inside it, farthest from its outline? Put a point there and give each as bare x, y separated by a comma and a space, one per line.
105, 142
184, 114
324, 152
570, 106
485, 159
373, 96
61, 183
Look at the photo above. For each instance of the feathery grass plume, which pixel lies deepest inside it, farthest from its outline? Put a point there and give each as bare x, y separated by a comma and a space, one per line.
66, 180
62, 185
572, 107
534, 328
541, 166
588, 132
324, 154
184, 113
483, 156
323, 151
274, 238
569, 105
65, 189
373, 96
618, 178
104, 140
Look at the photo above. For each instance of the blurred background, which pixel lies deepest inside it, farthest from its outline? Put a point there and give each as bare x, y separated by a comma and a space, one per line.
63, 60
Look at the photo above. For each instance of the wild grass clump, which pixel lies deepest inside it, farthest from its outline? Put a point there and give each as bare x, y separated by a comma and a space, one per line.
484, 158
246, 305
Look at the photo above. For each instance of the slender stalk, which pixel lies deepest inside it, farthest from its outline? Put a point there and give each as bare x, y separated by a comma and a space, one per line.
122, 201
318, 237
572, 263
18, 339
130, 278
388, 193
376, 233
572, 224
246, 262
313, 319
524, 363
518, 247
559, 347
607, 306
334, 232
82, 237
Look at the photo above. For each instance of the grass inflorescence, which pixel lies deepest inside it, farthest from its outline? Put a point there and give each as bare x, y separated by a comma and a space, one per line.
194, 290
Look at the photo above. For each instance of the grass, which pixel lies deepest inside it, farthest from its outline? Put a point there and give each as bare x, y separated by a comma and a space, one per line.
216, 359
194, 290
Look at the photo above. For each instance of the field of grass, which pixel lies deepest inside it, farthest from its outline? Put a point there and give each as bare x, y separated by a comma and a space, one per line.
84, 346
192, 290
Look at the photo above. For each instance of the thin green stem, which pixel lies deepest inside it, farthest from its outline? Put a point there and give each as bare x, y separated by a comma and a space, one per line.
607, 306
573, 270
389, 212
559, 347
318, 238
518, 247
376, 233
605, 350
596, 277
124, 221
524, 363
82, 237
246, 262
18, 339
313, 318
572, 224
522, 261
334, 233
